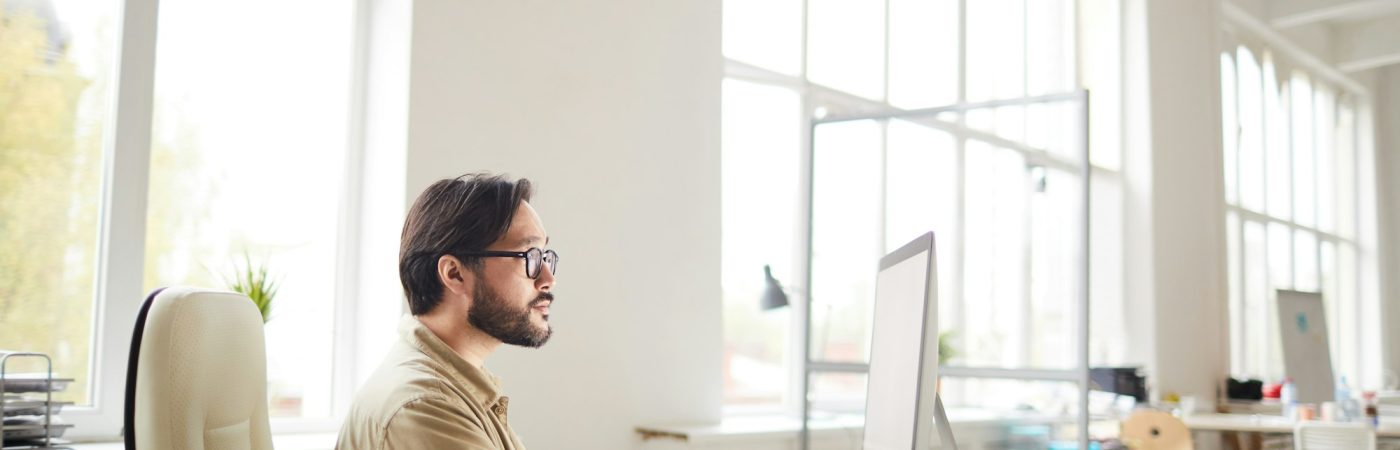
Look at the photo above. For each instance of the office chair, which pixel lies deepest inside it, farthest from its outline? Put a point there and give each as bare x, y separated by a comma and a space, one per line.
1155, 430
197, 375
1311, 435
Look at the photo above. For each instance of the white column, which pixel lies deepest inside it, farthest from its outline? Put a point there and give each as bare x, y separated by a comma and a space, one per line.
1177, 284
1387, 154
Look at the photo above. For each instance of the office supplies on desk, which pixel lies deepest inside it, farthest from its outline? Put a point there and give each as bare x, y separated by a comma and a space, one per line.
16, 405
1244, 389
26, 400
34, 382
1127, 381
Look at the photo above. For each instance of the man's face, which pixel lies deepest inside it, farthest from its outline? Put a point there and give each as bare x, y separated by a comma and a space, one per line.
506, 303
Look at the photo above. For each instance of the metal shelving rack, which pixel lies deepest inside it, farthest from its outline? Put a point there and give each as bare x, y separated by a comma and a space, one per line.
1080, 373
48, 406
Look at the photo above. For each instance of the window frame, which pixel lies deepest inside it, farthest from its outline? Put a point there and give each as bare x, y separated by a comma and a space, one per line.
1361, 296
122, 210
815, 97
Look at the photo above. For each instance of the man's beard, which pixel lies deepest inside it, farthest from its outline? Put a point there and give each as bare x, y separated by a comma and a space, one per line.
500, 319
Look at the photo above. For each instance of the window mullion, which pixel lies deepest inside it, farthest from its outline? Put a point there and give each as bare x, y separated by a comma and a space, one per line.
1292, 187
122, 215
798, 334
346, 344
959, 303
1242, 302
885, 90
1264, 140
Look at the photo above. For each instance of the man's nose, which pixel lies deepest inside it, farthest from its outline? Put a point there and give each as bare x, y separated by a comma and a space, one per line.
546, 279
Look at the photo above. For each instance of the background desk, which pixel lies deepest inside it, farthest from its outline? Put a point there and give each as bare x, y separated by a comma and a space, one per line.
974, 429
1250, 423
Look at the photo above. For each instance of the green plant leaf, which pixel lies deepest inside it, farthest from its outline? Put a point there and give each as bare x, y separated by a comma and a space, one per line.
946, 351
253, 281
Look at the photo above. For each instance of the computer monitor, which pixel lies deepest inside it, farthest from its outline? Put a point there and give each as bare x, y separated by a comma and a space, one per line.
1307, 357
901, 403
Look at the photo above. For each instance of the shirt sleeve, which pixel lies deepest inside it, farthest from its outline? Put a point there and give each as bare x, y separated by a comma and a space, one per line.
434, 422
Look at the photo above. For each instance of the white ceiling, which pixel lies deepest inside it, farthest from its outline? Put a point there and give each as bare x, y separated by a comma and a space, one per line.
1352, 35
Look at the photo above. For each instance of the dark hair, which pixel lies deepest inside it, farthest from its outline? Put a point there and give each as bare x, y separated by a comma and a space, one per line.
462, 214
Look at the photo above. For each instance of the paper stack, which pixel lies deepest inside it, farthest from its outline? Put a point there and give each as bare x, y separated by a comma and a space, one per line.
30, 418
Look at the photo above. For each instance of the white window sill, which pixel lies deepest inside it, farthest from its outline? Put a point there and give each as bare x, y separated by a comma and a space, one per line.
970, 426
750, 429
306, 441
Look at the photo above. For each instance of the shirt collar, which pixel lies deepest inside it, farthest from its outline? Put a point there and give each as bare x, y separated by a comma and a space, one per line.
482, 385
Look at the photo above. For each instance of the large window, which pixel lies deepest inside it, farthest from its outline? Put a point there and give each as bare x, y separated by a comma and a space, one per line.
760, 216
248, 159
55, 93
249, 141
1291, 161
990, 184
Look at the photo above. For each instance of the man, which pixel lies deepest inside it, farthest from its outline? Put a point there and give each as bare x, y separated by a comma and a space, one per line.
476, 274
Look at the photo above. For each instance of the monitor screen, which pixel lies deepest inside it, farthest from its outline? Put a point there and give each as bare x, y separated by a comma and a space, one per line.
1307, 358
900, 400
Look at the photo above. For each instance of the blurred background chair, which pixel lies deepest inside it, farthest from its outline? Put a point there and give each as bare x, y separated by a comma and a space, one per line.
197, 375
1311, 435
1155, 430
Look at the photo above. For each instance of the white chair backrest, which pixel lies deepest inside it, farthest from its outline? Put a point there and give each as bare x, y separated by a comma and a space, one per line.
1155, 430
1333, 436
201, 378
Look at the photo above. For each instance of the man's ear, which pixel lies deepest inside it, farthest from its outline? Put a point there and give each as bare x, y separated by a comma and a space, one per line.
454, 276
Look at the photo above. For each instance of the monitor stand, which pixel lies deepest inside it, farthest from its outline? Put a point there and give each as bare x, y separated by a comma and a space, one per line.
945, 430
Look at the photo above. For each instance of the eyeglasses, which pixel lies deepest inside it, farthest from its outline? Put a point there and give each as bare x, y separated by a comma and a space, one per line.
533, 259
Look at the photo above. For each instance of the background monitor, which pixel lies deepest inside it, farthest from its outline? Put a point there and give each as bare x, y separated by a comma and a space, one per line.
1307, 357
900, 400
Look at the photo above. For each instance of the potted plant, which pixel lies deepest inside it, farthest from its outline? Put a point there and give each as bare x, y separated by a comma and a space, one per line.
254, 282
945, 348
946, 353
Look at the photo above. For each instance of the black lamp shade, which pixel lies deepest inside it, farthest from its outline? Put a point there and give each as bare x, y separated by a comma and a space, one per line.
773, 295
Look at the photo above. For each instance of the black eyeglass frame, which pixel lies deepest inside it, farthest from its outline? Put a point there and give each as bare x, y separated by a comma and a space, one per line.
547, 257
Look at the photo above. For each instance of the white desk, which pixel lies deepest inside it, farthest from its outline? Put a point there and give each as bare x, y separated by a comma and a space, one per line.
973, 428
310, 441
1252, 423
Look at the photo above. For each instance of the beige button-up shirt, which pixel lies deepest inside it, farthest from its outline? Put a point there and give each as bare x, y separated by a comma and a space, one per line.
425, 396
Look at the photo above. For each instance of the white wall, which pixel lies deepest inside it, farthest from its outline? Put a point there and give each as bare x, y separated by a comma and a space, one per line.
1176, 279
612, 109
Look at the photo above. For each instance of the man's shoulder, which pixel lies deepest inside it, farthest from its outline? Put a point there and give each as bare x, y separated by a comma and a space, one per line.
409, 391
404, 378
